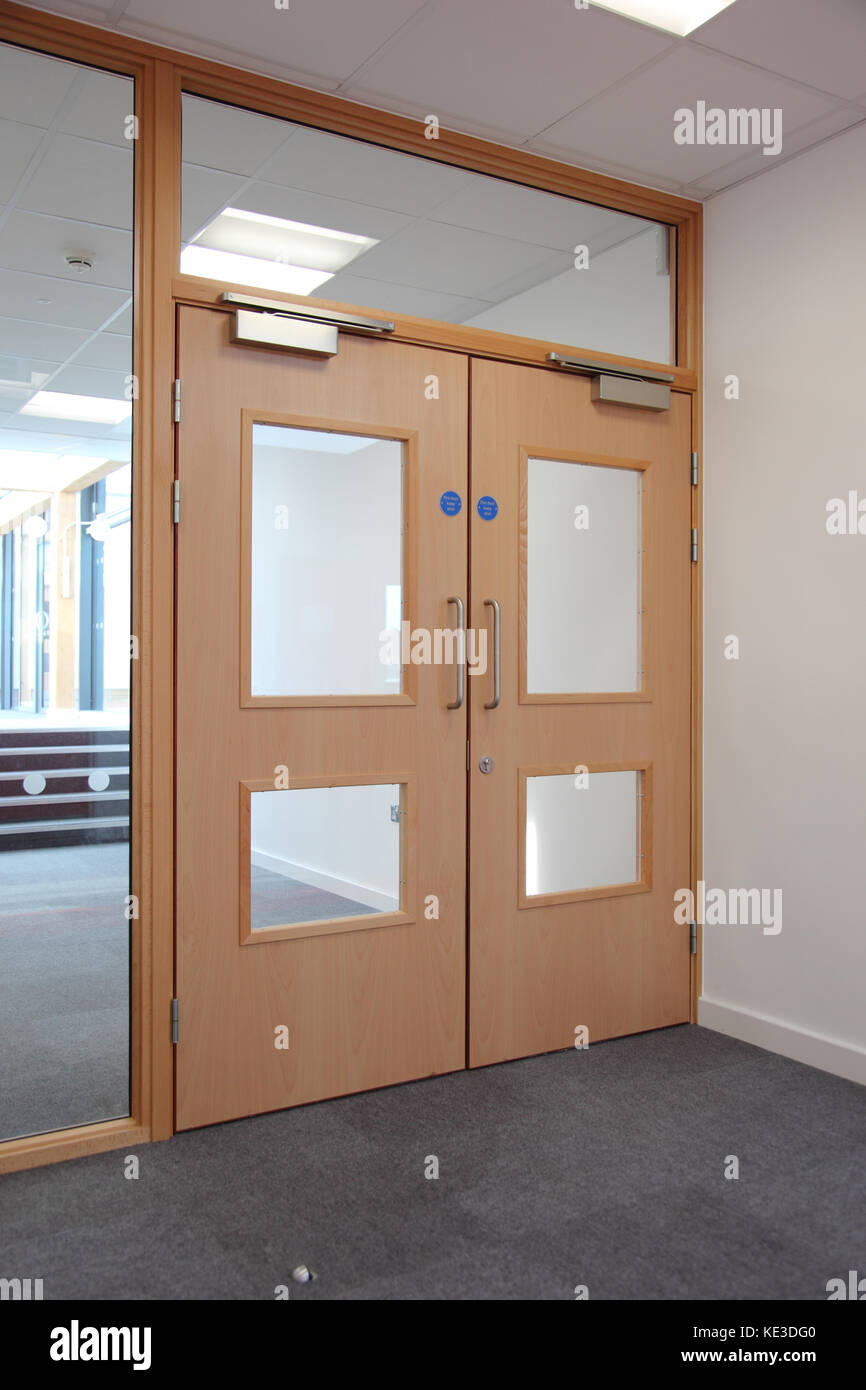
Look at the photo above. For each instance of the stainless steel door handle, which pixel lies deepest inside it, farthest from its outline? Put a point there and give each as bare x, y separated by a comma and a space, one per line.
497, 652
461, 656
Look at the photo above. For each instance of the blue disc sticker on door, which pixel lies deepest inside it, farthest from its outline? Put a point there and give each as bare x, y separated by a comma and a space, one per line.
450, 503
487, 508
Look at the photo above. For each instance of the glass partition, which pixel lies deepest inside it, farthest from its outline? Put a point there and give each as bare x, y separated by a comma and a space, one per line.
584, 552
319, 854
66, 262
582, 831
326, 562
283, 207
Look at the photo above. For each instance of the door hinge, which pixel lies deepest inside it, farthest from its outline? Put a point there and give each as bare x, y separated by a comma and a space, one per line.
175, 496
695, 469
693, 938
177, 400
174, 1019
694, 545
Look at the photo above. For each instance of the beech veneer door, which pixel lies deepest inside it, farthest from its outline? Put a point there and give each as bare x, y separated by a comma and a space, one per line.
321, 781
580, 833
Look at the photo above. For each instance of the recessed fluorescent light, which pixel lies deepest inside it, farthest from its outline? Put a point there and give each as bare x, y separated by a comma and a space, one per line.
280, 239
97, 410
277, 239
250, 270
675, 16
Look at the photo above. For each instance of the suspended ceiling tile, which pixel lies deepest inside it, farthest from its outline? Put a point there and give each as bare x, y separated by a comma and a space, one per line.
634, 125
757, 163
227, 138
34, 432
108, 350
514, 67
32, 86
13, 397
22, 369
528, 214
122, 323
339, 214
400, 299
204, 193
39, 340
83, 179
555, 263
325, 37
37, 243
821, 44
85, 10
26, 432
18, 144
362, 173
76, 380
73, 305
99, 108
433, 256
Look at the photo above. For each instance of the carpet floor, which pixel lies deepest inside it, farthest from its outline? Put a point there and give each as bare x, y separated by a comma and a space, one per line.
603, 1167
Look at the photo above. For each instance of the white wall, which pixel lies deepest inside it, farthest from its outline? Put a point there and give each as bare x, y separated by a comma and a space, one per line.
326, 544
785, 725
584, 579
338, 838
618, 304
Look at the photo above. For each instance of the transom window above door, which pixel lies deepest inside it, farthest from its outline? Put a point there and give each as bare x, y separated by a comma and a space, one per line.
283, 207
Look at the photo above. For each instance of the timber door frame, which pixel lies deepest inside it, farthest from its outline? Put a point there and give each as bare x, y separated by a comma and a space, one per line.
161, 75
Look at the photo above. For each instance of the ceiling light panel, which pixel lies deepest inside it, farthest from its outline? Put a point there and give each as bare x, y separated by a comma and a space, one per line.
679, 17
277, 239
236, 269
97, 410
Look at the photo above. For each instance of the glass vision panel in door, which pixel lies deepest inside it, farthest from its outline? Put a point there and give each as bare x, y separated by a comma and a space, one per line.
66, 274
326, 563
582, 832
321, 853
583, 578
284, 207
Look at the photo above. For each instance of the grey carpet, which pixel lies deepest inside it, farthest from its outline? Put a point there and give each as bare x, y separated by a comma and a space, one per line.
602, 1168
64, 987
276, 900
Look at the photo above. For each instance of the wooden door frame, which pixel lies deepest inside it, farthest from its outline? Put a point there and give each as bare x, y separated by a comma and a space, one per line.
161, 75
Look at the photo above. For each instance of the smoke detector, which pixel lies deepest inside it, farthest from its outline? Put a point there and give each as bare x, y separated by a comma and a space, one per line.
79, 261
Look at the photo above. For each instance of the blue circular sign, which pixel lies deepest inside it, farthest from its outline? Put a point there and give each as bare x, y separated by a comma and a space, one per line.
487, 508
450, 503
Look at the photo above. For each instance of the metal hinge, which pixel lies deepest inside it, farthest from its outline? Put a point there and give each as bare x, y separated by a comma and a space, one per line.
695, 469
174, 1020
175, 494
693, 938
694, 545
177, 401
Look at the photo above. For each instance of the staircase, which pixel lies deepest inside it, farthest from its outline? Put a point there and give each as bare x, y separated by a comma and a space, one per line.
63, 787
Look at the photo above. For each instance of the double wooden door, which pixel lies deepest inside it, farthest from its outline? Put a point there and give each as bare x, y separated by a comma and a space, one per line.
432, 717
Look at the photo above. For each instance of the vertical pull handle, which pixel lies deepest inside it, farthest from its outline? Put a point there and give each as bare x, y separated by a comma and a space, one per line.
461, 656
497, 652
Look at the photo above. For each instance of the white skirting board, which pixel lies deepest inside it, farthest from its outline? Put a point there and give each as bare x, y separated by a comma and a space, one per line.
358, 892
827, 1054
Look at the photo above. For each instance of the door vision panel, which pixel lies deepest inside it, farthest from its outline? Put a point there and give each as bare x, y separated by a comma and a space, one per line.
579, 827
321, 780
